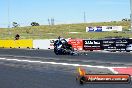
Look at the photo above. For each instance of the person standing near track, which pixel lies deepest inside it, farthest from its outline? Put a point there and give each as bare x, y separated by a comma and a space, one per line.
17, 37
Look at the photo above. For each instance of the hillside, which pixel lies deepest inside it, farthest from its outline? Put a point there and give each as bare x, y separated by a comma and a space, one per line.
65, 30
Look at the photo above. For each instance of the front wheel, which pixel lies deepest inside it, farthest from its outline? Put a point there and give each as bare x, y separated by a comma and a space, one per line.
56, 51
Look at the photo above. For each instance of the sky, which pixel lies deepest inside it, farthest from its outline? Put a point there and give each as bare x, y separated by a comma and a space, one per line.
63, 11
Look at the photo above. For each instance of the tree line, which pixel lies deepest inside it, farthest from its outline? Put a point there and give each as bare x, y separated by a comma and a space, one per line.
15, 24
51, 22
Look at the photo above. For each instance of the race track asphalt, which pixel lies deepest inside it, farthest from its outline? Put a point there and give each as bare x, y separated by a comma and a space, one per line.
92, 58
15, 74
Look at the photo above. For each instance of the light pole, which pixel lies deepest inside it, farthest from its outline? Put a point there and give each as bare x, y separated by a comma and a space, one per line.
84, 17
8, 13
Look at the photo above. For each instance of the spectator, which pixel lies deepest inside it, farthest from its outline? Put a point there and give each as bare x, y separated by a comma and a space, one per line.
17, 36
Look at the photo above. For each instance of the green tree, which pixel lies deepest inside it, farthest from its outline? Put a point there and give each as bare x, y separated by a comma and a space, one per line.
15, 24
125, 19
34, 24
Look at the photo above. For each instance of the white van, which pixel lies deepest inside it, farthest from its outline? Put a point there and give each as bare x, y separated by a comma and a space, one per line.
129, 48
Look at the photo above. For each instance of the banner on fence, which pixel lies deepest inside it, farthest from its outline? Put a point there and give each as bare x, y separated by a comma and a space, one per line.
103, 28
77, 44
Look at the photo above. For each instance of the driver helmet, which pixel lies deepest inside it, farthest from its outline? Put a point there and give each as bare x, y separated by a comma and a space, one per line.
63, 40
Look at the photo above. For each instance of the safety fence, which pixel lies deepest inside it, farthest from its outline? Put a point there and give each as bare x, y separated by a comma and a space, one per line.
77, 44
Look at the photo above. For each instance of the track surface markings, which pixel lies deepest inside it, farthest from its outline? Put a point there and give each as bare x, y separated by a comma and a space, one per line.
115, 70
127, 70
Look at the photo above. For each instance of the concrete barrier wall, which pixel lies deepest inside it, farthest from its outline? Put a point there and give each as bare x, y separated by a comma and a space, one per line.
28, 43
24, 43
16, 43
41, 44
44, 44
7, 43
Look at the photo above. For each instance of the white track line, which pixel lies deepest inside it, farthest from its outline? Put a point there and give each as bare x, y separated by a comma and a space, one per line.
111, 69
64, 64
55, 63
